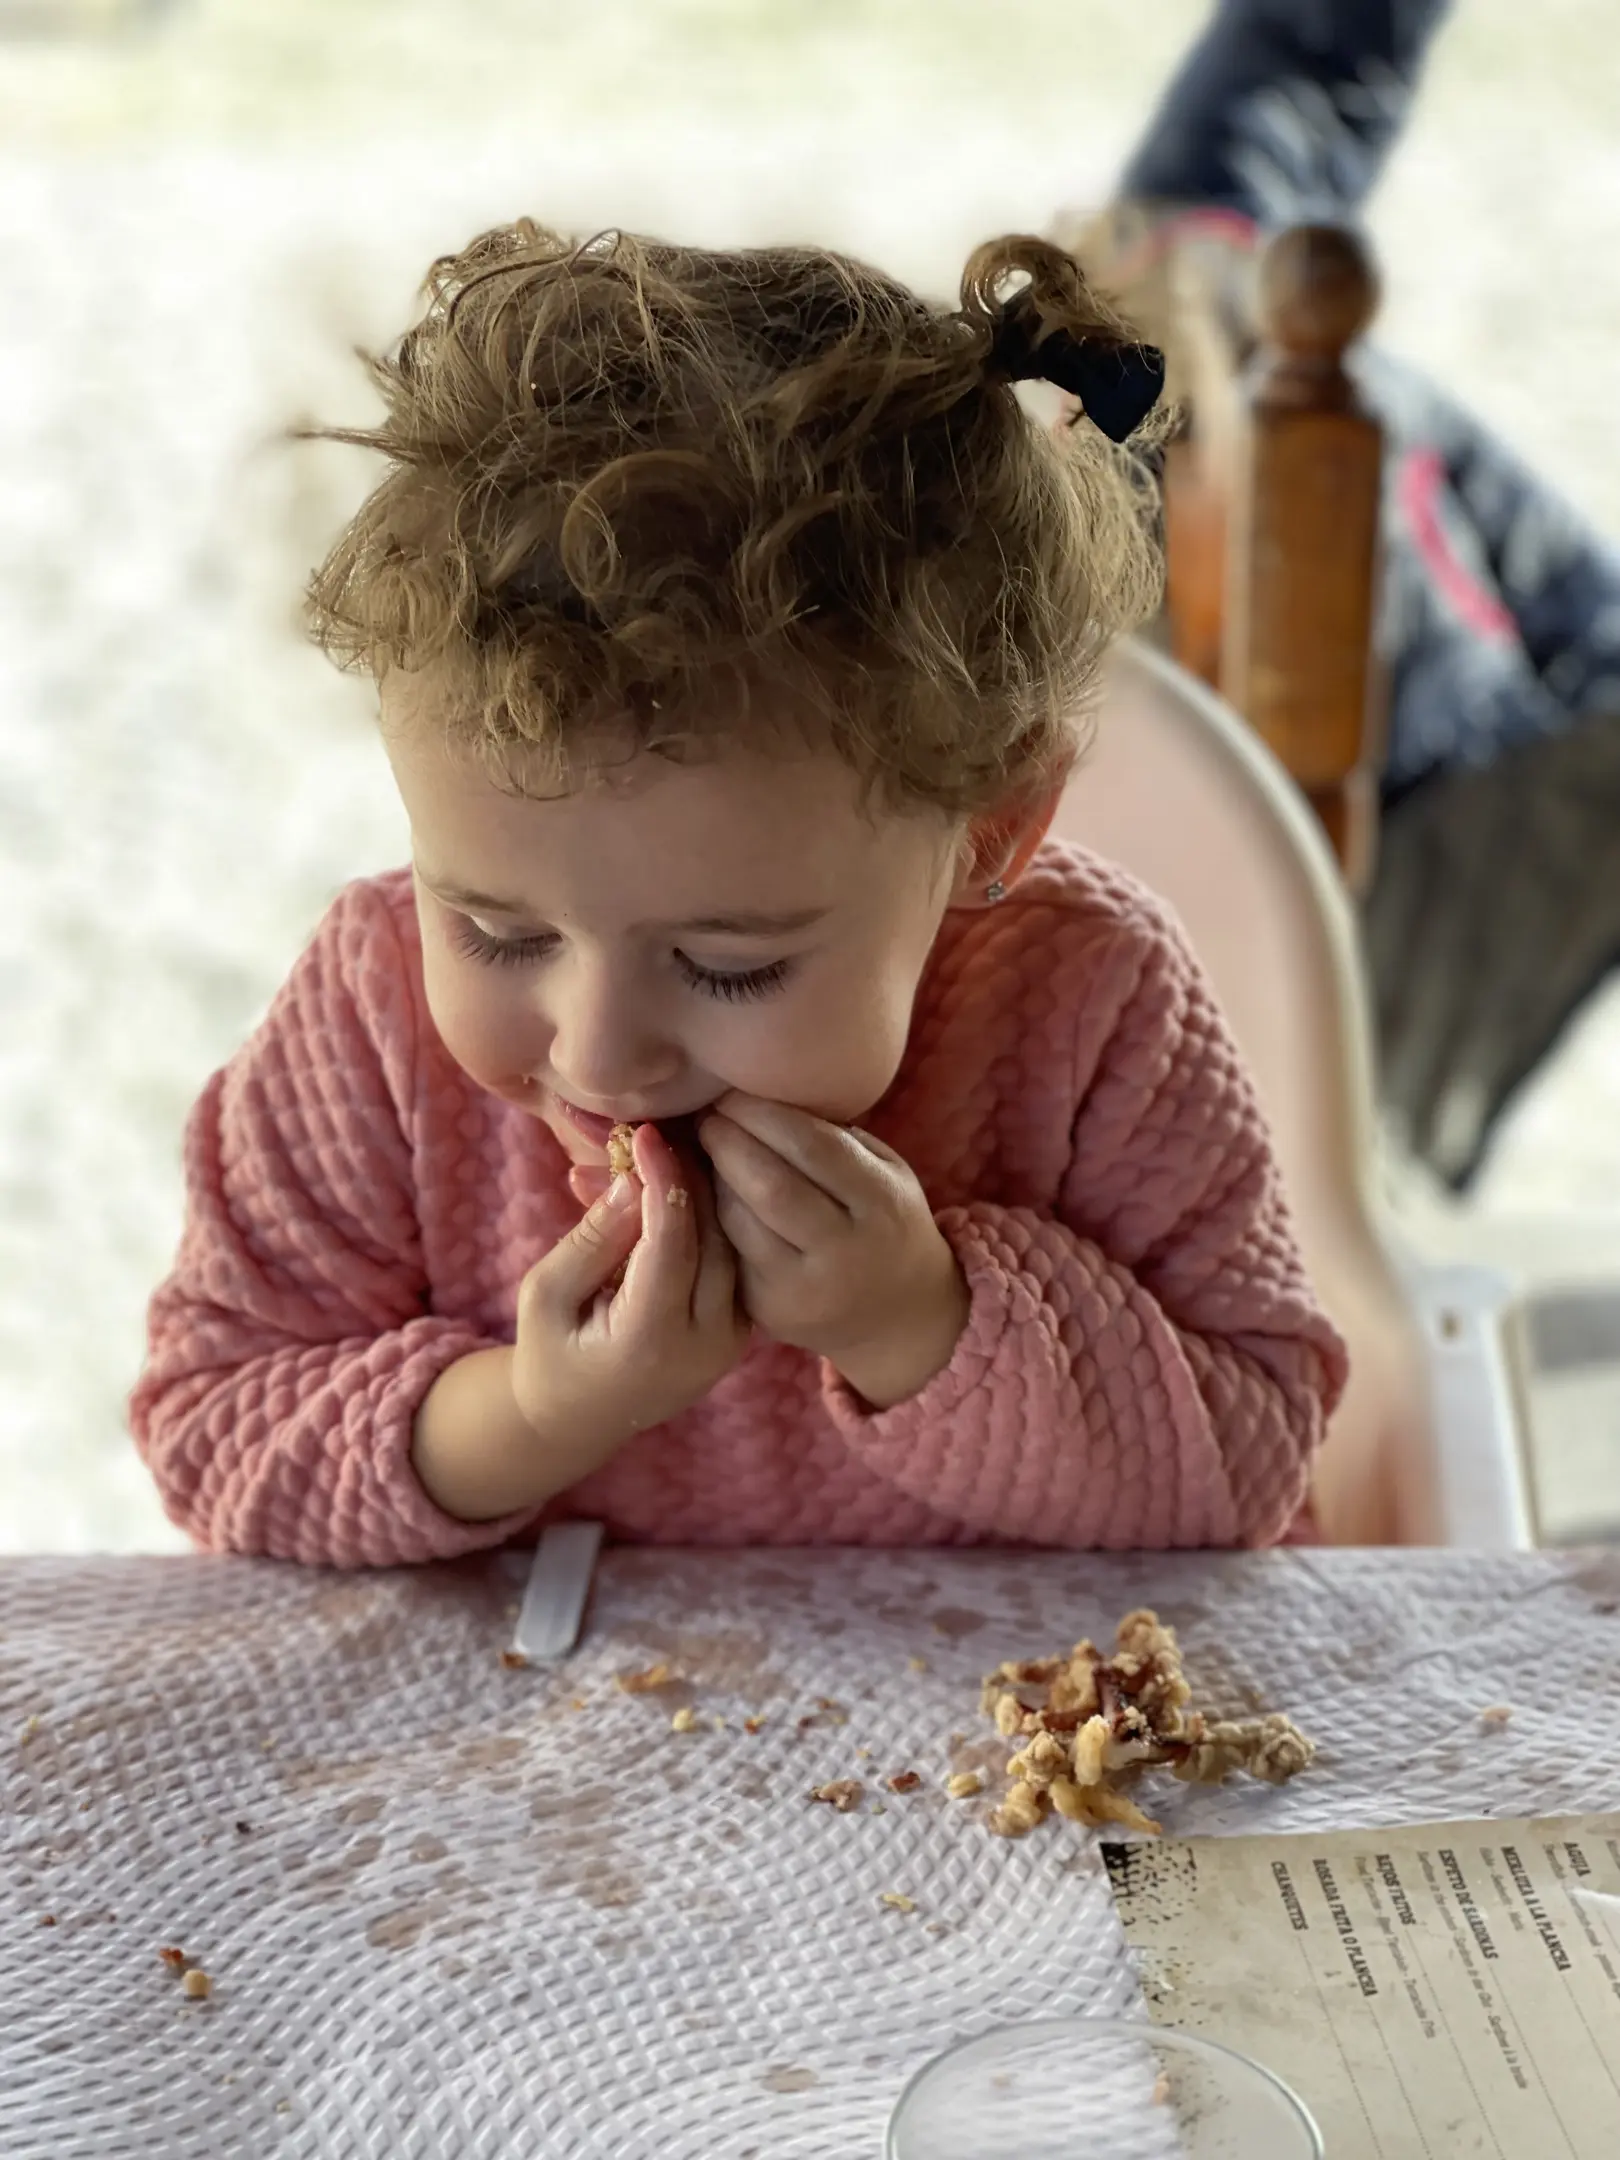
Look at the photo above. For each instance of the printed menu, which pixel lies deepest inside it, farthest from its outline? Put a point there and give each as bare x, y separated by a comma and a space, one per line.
1444, 1992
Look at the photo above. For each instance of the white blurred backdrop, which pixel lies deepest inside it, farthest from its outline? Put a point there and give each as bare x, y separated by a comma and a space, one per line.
205, 204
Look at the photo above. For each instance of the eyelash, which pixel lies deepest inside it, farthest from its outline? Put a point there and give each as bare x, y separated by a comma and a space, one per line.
733, 989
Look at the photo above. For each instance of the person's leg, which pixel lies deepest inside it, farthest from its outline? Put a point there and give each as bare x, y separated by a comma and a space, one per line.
1285, 109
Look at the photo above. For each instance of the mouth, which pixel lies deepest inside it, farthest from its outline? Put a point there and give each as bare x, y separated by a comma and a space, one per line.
679, 1130
586, 1123
592, 1126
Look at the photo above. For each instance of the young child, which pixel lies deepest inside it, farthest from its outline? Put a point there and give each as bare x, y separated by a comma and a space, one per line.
730, 618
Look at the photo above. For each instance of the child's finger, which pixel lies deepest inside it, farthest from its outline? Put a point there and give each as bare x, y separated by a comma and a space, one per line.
566, 1281
663, 1268
837, 1160
753, 1241
772, 1187
714, 1294
588, 1182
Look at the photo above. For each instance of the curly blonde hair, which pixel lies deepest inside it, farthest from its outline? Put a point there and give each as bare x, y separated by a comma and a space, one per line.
642, 496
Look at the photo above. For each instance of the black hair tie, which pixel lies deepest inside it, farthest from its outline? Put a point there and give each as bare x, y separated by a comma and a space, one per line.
1118, 383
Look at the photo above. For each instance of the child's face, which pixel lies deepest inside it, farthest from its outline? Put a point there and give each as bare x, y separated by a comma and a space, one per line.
669, 932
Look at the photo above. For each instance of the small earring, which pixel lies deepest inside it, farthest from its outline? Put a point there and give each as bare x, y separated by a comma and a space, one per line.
995, 891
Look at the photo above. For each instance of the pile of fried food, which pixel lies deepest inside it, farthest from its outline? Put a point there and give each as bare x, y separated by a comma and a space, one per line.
1088, 1726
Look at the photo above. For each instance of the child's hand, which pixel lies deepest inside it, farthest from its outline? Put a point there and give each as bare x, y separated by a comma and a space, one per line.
592, 1366
837, 1249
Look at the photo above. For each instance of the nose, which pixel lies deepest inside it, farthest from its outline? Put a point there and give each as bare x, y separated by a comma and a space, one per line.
607, 1050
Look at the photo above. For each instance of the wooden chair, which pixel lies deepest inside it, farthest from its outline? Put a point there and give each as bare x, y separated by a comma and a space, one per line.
1426, 1447
1271, 511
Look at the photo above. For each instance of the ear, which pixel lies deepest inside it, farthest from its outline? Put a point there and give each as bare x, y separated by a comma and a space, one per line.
997, 848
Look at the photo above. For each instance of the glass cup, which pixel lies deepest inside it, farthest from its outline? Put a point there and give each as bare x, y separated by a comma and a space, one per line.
1098, 2089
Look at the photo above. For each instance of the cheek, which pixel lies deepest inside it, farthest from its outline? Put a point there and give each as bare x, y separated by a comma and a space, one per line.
831, 1047
486, 1023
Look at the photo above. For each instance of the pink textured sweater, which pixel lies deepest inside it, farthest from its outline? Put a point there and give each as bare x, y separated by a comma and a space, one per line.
1143, 1364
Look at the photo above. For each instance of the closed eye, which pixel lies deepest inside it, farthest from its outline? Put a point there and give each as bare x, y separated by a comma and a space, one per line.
501, 952
734, 988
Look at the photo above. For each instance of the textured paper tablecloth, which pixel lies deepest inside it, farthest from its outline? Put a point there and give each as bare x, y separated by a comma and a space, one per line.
448, 1912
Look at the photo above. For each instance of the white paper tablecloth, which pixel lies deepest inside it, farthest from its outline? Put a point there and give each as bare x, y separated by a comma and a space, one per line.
448, 1913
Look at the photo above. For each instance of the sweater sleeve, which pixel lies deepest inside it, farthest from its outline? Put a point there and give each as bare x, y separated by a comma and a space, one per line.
1145, 1367
289, 1349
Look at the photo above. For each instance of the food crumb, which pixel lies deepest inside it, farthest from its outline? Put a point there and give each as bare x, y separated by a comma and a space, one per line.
47, 1919
904, 1781
644, 1683
514, 1661
195, 1985
964, 1784
684, 1720
244, 1829
863, 1751
1161, 2091
174, 1958
843, 1794
753, 1724
898, 1901
579, 1703
621, 1151
1496, 1716
30, 1727
916, 1664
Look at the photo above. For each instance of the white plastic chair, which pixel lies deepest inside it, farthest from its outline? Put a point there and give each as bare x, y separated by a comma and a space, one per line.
1427, 1447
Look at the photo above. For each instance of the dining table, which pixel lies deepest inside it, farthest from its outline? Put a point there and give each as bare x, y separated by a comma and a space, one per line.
453, 1903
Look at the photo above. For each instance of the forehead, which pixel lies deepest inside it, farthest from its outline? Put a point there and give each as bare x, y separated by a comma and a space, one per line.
652, 839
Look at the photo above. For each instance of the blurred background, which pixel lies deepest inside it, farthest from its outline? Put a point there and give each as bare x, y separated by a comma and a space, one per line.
206, 204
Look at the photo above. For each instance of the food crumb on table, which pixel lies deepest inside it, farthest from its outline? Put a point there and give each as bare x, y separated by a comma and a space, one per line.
753, 1724
964, 1784
916, 1664
30, 1727
646, 1682
195, 1985
174, 1958
842, 1793
904, 1781
897, 1901
1495, 1716
514, 1661
1086, 1725
684, 1720
47, 1919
